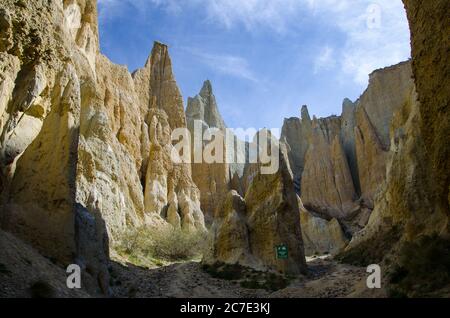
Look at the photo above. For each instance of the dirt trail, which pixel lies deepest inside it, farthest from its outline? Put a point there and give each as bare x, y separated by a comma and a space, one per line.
21, 267
327, 279
174, 281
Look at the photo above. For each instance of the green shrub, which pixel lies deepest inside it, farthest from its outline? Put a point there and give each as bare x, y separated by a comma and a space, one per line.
161, 244
247, 277
226, 271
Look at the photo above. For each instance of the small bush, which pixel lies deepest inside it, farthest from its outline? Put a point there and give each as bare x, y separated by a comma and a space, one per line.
226, 271
42, 289
247, 277
162, 244
423, 267
371, 251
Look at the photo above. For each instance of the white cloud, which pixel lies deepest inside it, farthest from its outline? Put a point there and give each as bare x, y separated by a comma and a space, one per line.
253, 14
110, 9
325, 60
231, 65
376, 32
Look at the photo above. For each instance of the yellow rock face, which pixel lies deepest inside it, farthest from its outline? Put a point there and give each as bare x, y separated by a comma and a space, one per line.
414, 201
78, 155
247, 231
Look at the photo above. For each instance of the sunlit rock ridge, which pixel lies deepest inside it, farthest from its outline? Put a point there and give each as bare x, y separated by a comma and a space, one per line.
86, 155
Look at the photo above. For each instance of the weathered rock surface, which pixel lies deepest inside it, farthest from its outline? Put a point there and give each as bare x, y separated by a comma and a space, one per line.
268, 217
213, 178
50, 58
327, 185
320, 236
108, 150
347, 135
389, 89
414, 203
25, 273
296, 133
371, 156
85, 152
415, 198
429, 26
273, 220
166, 179
168, 184
342, 160
230, 241
85, 149
204, 107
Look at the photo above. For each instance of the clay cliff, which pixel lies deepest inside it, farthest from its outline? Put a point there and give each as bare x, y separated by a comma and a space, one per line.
48, 55
247, 229
295, 134
212, 178
86, 154
412, 213
85, 145
341, 162
348, 153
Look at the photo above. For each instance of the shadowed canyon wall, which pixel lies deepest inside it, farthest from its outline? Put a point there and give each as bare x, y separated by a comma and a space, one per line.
85, 145
340, 162
415, 198
85, 153
412, 214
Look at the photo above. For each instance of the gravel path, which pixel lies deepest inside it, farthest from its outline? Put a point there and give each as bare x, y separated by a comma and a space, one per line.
327, 279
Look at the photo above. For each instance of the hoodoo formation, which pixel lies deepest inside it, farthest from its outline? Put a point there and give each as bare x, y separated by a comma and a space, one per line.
88, 176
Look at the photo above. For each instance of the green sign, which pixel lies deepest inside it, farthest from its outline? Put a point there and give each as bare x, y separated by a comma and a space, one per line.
282, 252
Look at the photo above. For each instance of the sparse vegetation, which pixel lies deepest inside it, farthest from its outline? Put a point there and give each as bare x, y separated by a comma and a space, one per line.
247, 277
269, 281
423, 268
227, 272
159, 246
372, 251
42, 289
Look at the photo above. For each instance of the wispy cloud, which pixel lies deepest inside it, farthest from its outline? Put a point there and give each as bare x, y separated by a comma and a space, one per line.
376, 33
226, 64
110, 9
253, 14
325, 60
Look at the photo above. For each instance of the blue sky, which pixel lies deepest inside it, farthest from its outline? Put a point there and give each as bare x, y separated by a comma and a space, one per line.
265, 58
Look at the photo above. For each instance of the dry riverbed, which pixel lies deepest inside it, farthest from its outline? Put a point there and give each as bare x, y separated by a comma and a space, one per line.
326, 279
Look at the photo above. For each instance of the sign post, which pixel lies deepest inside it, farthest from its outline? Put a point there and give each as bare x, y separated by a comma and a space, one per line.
282, 252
